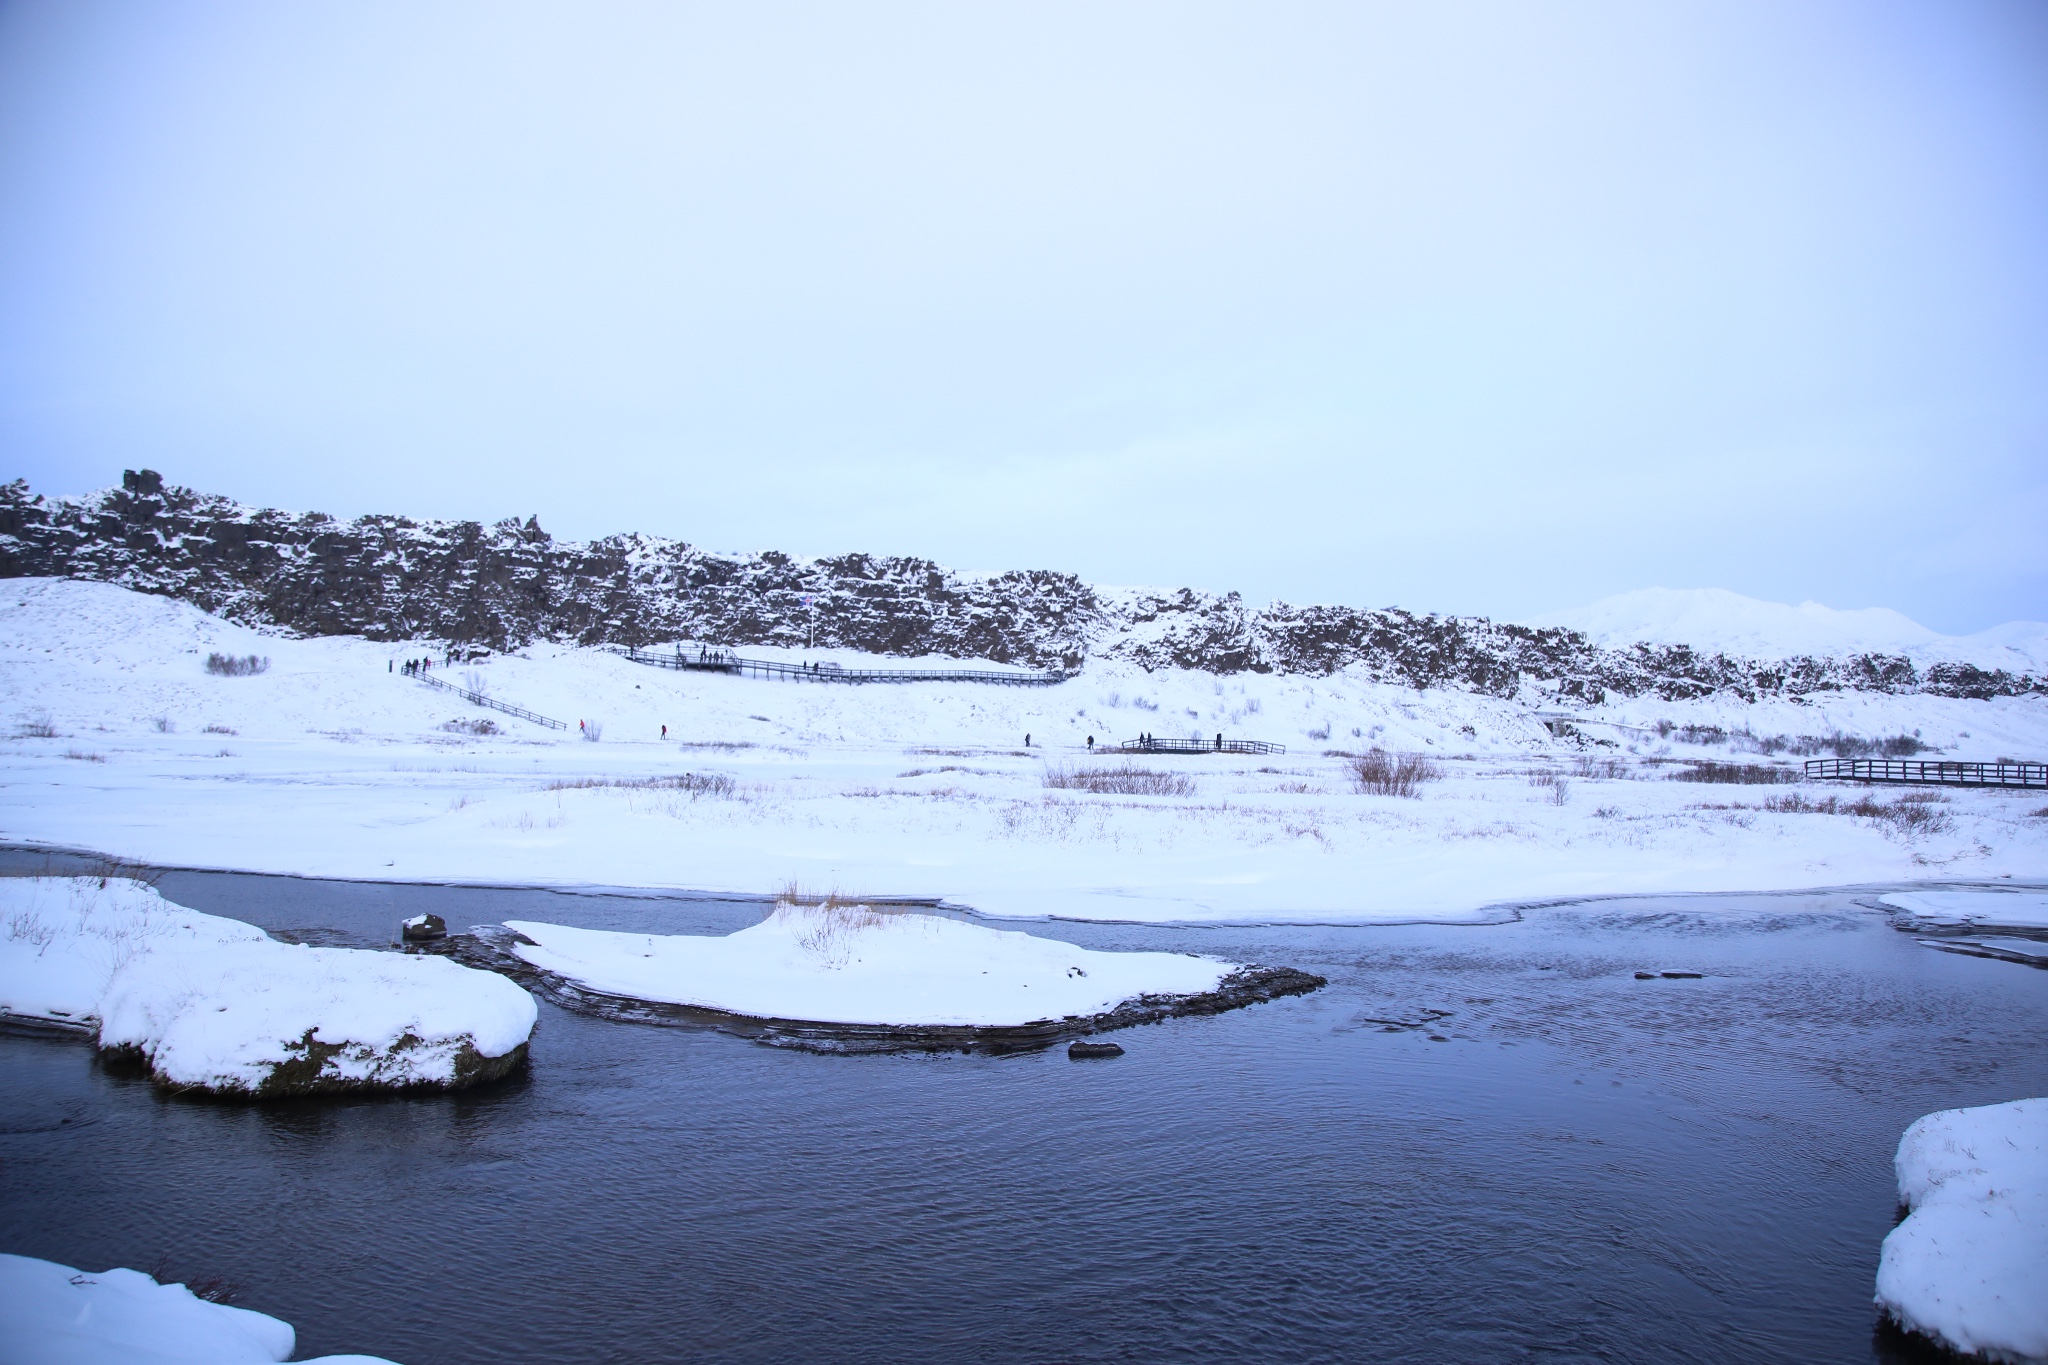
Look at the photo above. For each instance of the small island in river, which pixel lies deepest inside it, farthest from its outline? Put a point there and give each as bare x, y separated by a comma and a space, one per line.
836, 976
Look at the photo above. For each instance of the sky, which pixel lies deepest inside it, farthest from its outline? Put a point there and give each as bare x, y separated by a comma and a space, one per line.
1477, 307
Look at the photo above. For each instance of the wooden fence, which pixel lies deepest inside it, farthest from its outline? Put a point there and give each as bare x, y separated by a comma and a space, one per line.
479, 699
1918, 772
1193, 746
719, 661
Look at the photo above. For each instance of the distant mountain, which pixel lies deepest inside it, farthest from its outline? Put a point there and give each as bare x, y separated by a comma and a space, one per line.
500, 586
1714, 619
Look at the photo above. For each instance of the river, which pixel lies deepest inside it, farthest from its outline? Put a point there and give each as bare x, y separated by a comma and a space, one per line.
1567, 1163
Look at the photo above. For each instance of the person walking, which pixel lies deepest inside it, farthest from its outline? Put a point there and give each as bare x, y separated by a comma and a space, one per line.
664, 732
1091, 744
1027, 741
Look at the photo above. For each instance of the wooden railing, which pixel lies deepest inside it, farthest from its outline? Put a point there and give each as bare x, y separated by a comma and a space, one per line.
1916, 771
479, 699
1193, 746
719, 661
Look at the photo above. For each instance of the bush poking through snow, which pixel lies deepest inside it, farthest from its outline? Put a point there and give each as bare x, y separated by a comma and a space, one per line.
480, 726
1125, 780
1379, 773
37, 726
233, 666
1737, 774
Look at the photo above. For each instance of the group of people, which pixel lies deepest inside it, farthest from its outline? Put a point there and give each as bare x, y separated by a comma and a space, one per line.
415, 667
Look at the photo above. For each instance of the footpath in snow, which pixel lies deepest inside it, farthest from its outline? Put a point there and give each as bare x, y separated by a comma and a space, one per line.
52, 1314
209, 1004
329, 762
1969, 1265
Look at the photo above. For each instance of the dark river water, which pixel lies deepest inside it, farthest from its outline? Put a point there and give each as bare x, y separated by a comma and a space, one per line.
1571, 1164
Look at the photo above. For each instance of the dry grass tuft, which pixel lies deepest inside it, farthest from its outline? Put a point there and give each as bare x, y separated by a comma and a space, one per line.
1379, 773
231, 666
696, 784
1739, 774
1125, 780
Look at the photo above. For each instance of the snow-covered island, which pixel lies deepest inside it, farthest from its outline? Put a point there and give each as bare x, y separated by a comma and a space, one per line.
216, 1006
849, 976
1969, 1265
52, 1313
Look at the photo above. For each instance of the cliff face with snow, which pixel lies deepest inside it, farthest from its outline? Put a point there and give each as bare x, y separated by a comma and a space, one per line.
392, 578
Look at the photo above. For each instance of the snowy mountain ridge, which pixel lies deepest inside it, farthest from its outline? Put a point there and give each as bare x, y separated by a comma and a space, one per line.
497, 587
1723, 622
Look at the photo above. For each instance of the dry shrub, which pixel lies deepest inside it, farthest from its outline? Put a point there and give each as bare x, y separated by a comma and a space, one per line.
1911, 814
37, 726
479, 726
1738, 774
232, 666
85, 757
220, 730
1125, 780
1606, 769
696, 784
827, 926
1379, 773
1560, 788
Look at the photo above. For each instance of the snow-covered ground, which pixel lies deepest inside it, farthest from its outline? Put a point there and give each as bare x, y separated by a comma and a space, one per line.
328, 764
53, 1314
1716, 620
1969, 1266
853, 964
218, 1005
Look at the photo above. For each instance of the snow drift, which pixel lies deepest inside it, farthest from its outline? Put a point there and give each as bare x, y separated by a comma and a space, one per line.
52, 1314
1969, 1265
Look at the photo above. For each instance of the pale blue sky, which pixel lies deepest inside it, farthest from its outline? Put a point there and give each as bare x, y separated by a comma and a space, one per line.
1472, 307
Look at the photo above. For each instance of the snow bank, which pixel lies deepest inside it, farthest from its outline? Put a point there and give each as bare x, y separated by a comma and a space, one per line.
858, 965
51, 1314
63, 938
1969, 1266
214, 1004
1989, 909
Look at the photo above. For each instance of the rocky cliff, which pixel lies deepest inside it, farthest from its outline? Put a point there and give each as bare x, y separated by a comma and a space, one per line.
500, 586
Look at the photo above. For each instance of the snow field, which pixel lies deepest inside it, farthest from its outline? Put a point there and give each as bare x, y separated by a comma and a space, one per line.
217, 1005
1969, 1265
52, 1314
854, 964
337, 767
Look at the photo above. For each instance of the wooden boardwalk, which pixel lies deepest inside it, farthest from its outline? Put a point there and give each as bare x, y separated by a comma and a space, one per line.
1916, 772
479, 699
1193, 746
719, 661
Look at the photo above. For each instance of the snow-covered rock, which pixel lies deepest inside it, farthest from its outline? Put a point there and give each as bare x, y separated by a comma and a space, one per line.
860, 965
52, 1314
1969, 1265
216, 1005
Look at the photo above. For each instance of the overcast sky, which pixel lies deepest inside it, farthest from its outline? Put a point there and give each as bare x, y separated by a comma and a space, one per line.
1482, 307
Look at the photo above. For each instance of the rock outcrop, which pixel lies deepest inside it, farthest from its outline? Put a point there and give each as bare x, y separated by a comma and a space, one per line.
502, 586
